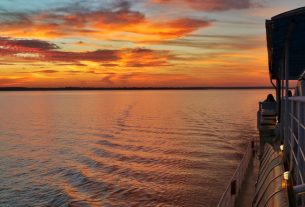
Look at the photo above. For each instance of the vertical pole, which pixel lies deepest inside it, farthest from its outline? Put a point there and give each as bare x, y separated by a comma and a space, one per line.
299, 158
283, 114
286, 84
290, 138
287, 57
286, 111
278, 98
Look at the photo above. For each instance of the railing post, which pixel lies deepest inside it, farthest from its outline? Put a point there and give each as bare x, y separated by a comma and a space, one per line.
298, 110
291, 136
301, 148
297, 144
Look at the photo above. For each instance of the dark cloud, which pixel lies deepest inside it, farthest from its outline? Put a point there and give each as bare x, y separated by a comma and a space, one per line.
8, 45
46, 71
220, 42
95, 56
74, 64
7, 17
211, 5
40, 71
26, 43
37, 50
73, 72
109, 64
147, 64
94, 72
37, 44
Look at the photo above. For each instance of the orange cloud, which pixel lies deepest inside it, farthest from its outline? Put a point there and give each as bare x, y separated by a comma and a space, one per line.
123, 24
148, 79
146, 58
12, 81
168, 29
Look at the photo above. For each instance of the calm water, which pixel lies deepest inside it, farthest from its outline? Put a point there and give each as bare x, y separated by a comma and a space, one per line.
122, 148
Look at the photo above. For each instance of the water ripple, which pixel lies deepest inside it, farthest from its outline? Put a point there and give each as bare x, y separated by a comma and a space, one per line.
133, 148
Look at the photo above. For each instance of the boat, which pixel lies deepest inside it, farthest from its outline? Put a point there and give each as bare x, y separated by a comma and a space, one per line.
272, 171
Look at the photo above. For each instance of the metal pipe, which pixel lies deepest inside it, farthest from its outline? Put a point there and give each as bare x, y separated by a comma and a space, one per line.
298, 189
286, 75
278, 98
287, 55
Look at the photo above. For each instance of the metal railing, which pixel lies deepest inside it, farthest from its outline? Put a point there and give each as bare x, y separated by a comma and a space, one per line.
228, 198
293, 130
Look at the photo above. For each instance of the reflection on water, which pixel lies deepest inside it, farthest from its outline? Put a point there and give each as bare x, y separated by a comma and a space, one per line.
122, 148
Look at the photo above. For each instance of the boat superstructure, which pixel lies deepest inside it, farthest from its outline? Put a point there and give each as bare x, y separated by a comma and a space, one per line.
286, 51
280, 178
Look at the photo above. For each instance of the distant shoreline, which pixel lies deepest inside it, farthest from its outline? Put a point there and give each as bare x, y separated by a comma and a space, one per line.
129, 88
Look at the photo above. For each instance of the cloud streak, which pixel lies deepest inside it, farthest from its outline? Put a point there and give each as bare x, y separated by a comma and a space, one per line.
118, 22
231, 43
13, 81
210, 5
37, 50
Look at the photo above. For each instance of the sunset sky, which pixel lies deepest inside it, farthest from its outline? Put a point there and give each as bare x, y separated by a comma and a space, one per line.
135, 43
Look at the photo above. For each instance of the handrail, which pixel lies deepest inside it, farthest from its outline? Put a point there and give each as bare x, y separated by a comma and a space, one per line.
294, 141
228, 198
299, 189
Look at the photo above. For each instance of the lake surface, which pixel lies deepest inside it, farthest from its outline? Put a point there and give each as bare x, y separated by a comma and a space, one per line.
122, 148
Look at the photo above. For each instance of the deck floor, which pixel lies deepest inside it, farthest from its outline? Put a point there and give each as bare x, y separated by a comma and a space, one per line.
247, 192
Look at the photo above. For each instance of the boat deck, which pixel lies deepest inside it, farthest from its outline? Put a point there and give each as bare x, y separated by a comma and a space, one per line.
248, 189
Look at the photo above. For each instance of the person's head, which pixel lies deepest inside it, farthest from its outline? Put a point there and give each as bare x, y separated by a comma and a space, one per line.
270, 97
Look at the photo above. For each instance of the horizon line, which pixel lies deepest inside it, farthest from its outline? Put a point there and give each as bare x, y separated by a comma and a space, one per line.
131, 88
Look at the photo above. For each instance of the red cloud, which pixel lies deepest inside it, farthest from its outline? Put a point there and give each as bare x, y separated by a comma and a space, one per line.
211, 5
